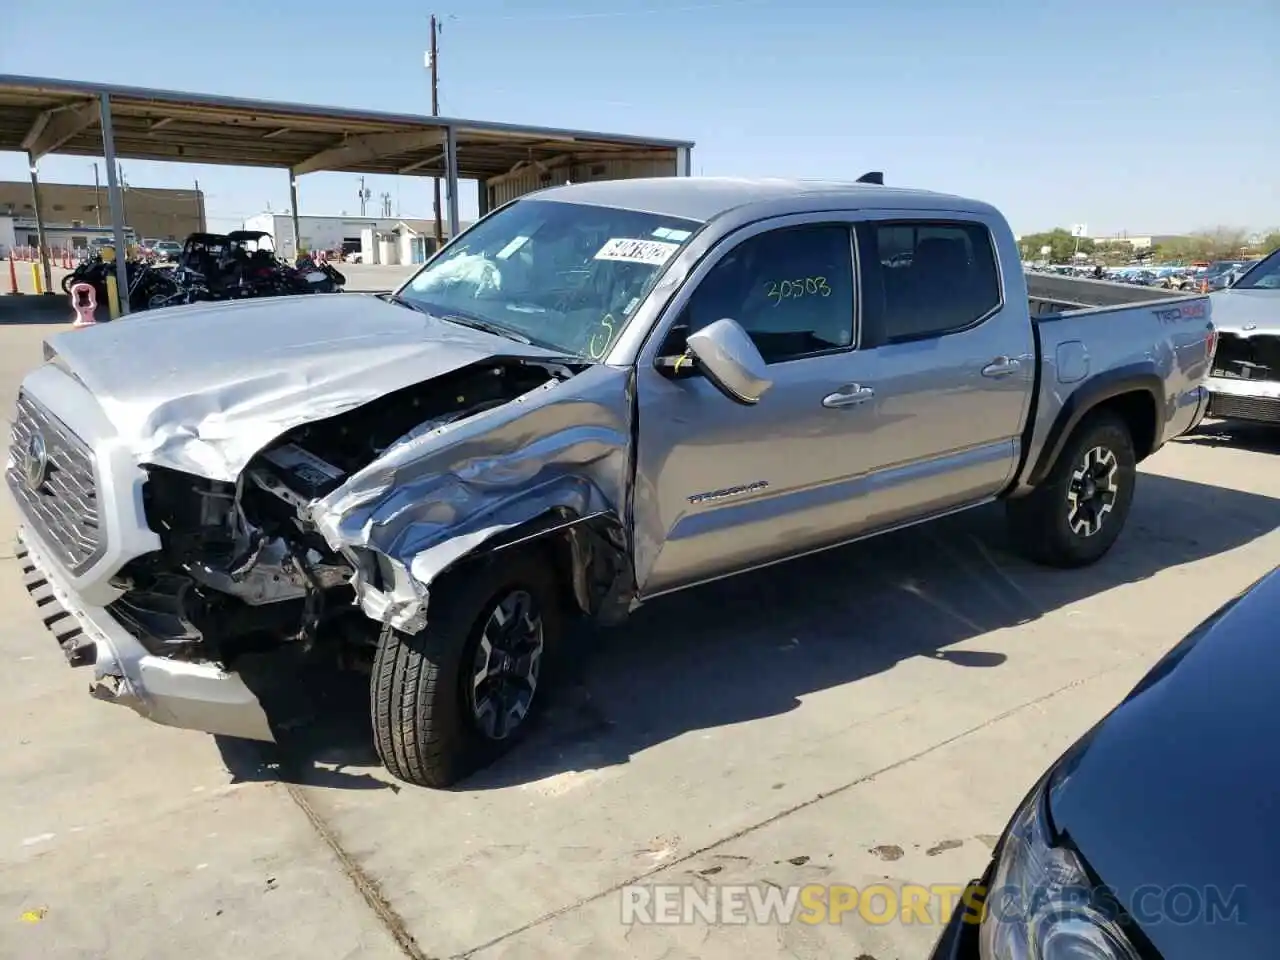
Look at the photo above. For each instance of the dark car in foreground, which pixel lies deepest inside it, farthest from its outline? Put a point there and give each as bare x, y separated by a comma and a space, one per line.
1155, 836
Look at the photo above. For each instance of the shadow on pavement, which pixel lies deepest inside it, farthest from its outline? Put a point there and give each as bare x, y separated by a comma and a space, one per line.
45, 308
755, 645
1256, 437
323, 736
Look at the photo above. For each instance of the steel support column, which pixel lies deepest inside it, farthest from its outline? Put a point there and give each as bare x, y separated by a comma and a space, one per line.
482, 197
451, 177
684, 162
293, 212
116, 202
40, 238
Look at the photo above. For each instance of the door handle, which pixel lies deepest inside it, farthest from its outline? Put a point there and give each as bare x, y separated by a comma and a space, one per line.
1001, 367
849, 395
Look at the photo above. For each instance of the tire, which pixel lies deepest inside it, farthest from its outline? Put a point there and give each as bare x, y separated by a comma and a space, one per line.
68, 281
426, 726
1054, 525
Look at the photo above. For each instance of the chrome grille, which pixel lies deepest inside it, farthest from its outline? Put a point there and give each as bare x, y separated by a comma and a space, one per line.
1247, 358
63, 505
1225, 406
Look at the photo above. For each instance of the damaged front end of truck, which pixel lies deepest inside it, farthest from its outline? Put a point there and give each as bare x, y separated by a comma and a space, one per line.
339, 528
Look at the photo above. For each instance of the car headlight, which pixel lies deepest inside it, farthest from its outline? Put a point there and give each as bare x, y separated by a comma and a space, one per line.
1041, 904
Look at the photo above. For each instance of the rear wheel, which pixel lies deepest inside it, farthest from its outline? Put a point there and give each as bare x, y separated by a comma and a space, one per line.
1074, 517
454, 697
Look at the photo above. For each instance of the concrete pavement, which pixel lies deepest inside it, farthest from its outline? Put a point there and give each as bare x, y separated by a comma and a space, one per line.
872, 714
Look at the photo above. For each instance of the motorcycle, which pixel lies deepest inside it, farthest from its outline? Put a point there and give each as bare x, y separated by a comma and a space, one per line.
144, 281
317, 276
152, 289
92, 270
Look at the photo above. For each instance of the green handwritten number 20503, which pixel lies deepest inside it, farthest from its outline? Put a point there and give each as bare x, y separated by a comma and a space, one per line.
779, 290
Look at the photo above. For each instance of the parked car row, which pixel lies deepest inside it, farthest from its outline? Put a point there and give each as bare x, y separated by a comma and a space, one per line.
1204, 278
159, 251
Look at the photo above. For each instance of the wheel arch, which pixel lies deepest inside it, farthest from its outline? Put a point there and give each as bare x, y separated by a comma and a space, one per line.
589, 553
1133, 393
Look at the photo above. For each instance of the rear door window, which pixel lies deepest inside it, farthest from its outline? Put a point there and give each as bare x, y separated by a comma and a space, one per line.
924, 279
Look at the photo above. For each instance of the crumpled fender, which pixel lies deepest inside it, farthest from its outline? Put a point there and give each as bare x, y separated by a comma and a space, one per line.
562, 449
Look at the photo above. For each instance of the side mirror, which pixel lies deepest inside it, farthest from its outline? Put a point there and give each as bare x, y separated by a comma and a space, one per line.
729, 359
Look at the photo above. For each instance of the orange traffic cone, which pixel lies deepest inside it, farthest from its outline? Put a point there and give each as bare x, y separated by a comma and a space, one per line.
13, 278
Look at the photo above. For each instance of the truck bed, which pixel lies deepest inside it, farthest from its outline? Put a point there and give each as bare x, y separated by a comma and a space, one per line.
1074, 292
1157, 344
1047, 311
1050, 297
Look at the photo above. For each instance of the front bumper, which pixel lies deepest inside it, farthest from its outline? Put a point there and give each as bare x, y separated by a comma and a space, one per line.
959, 939
1256, 400
192, 696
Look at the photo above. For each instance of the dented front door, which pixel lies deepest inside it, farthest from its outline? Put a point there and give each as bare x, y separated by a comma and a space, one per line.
722, 487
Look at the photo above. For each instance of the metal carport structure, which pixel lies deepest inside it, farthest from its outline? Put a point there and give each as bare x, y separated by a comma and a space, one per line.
40, 116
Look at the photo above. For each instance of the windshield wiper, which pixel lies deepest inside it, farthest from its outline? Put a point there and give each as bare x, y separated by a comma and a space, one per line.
461, 319
476, 323
403, 301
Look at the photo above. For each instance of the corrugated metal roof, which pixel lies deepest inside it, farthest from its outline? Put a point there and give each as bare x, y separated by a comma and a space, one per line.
62, 116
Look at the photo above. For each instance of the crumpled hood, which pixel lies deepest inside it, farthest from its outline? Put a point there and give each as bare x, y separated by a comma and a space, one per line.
202, 388
1234, 310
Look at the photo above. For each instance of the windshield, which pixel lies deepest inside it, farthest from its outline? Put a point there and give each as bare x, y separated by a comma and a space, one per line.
566, 276
1264, 275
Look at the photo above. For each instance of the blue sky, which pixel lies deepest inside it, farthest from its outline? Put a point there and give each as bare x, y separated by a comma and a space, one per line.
1125, 116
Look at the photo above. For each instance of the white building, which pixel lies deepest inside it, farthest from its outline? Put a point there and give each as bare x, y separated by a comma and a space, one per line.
378, 239
1137, 242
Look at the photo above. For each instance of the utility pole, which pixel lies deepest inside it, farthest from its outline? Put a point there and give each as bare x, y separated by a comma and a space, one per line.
199, 209
435, 112
363, 195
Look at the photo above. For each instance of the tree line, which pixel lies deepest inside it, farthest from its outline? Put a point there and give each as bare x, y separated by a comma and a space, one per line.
1218, 243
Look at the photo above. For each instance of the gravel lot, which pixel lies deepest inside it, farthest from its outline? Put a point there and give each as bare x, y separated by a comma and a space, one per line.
872, 714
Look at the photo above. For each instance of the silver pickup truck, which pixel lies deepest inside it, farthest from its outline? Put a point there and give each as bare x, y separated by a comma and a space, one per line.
597, 395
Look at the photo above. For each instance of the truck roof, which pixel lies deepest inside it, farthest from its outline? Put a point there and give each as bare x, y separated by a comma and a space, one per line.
704, 198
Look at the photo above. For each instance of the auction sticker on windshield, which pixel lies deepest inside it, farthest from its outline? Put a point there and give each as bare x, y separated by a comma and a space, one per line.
653, 252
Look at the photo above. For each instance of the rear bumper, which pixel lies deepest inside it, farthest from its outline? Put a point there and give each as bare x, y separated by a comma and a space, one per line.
1202, 409
1256, 400
192, 696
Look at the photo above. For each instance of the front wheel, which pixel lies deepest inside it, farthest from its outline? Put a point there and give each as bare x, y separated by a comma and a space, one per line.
1074, 517
454, 697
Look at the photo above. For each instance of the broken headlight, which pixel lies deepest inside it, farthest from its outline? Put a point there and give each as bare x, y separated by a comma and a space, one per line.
191, 514
1042, 904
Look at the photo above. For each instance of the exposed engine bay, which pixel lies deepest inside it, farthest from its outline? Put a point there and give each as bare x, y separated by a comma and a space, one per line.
242, 568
